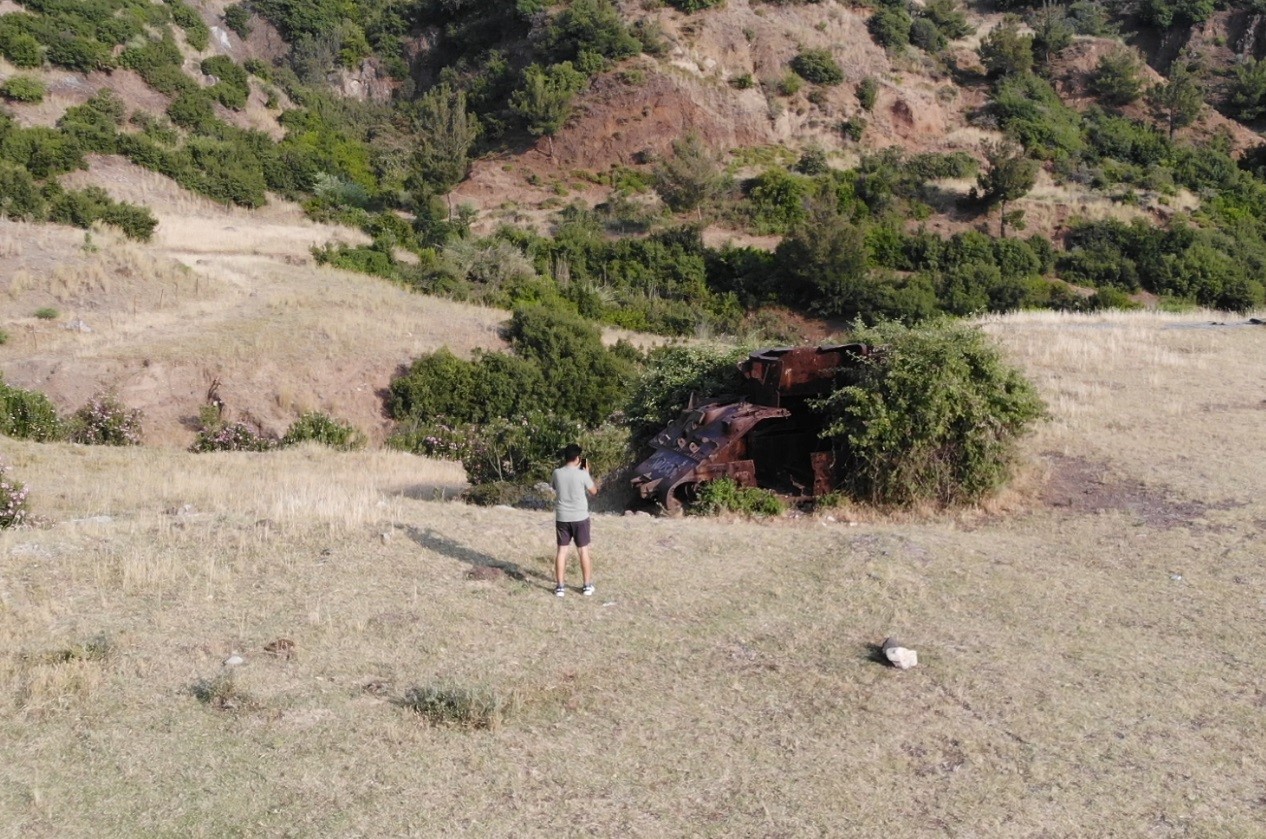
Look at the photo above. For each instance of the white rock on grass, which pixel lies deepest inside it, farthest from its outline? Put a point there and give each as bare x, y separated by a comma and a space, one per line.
898, 656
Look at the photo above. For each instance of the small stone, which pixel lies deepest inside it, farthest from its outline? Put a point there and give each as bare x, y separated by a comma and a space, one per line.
386, 537
898, 656
234, 660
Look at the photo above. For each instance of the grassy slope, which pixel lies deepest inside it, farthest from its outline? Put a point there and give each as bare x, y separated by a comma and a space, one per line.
1087, 660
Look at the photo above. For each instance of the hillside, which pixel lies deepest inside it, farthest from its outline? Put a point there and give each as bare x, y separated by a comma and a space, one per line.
1086, 644
676, 173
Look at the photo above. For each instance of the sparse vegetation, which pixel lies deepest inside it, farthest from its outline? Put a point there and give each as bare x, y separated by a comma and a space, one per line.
460, 707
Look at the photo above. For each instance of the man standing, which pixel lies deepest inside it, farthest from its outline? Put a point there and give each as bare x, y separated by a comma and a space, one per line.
572, 486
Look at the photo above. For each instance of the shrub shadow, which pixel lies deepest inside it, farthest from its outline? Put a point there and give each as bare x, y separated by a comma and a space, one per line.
432, 541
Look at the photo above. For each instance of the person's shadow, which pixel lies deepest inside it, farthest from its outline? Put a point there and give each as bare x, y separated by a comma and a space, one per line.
432, 541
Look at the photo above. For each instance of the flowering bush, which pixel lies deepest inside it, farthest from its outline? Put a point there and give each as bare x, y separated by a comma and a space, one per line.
105, 421
13, 509
232, 437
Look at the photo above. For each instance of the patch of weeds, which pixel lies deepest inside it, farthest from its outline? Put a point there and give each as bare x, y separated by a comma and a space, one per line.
97, 649
726, 496
47, 313
4, 337
460, 707
221, 692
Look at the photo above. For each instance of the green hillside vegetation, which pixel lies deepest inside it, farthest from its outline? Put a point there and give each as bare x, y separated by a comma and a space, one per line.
504, 74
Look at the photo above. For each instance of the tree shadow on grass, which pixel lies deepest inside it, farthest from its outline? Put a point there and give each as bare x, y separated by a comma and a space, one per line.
433, 541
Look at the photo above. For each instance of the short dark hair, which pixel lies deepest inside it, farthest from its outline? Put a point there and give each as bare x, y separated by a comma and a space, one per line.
571, 452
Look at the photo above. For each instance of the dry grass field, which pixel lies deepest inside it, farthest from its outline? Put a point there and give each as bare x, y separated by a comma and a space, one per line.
1090, 643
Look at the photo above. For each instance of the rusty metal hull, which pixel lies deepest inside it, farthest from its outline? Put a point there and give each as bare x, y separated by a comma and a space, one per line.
706, 443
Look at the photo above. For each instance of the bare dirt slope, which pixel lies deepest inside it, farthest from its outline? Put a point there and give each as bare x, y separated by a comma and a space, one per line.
220, 294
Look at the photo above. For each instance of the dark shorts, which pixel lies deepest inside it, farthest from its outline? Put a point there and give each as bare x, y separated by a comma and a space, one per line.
568, 530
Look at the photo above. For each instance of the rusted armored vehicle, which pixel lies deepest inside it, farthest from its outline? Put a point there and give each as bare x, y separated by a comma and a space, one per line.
766, 437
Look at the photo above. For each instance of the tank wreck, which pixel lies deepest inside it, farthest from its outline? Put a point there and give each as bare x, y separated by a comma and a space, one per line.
767, 436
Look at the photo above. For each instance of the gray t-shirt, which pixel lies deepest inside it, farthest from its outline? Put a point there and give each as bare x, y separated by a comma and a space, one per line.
571, 482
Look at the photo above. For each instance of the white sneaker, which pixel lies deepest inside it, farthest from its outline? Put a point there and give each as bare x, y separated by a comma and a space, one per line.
560, 590
587, 590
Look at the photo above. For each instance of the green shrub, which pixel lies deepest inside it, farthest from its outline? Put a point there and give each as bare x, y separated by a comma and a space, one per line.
926, 36
890, 27
23, 89
935, 417
1118, 78
21, 48
42, 151
14, 506
522, 449
949, 20
188, 19
320, 428
867, 92
673, 374
47, 313
779, 200
104, 421
583, 379
238, 19
82, 55
28, 415
232, 87
790, 84
692, 6
726, 496
20, 197
193, 110
1006, 51
818, 66
1029, 109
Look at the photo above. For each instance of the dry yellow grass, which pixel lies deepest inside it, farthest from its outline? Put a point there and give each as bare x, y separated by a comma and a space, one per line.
1088, 665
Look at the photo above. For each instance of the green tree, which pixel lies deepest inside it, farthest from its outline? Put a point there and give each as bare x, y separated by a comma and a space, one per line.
1009, 176
445, 132
583, 379
1177, 103
544, 101
1005, 51
691, 177
1247, 99
1052, 32
1167, 14
1118, 77
824, 265
948, 18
